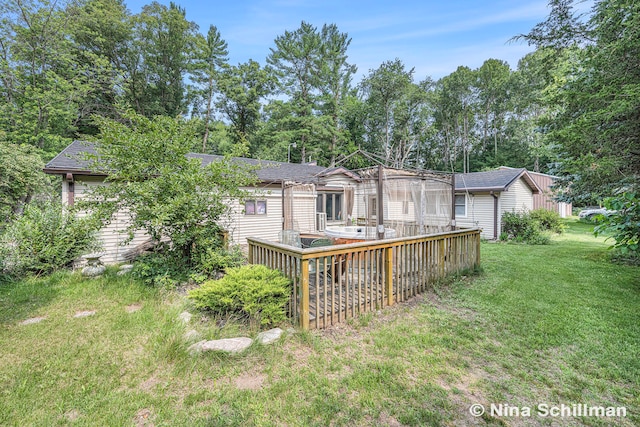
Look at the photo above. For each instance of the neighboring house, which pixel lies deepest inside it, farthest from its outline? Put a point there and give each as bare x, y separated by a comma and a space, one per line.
304, 197
546, 198
482, 198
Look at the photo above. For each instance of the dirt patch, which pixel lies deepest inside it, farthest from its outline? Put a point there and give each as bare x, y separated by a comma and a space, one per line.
85, 313
149, 384
133, 308
72, 415
387, 420
250, 381
143, 418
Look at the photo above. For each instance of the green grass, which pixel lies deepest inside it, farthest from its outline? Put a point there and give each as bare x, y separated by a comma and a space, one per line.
542, 324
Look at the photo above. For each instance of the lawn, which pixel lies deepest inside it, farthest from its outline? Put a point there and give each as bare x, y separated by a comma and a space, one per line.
556, 324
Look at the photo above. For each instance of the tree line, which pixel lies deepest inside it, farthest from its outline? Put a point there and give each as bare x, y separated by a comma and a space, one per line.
569, 108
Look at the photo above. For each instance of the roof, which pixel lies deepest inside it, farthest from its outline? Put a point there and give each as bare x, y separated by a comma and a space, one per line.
70, 160
495, 180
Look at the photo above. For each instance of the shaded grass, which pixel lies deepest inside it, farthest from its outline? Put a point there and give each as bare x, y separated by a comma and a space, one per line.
541, 324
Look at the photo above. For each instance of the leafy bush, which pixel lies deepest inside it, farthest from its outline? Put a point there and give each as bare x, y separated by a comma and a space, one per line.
548, 220
521, 227
220, 259
45, 238
160, 269
252, 290
623, 223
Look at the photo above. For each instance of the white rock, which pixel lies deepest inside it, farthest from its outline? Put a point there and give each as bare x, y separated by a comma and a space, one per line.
185, 316
228, 345
124, 269
196, 348
32, 320
270, 336
84, 313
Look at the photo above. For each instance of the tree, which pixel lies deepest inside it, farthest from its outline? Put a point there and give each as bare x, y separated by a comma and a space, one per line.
162, 190
211, 58
243, 89
333, 80
598, 126
41, 86
158, 60
294, 61
383, 89
20, 177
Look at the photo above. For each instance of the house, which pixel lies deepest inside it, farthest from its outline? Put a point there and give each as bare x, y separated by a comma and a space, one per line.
301, 196
482, 197
545, 199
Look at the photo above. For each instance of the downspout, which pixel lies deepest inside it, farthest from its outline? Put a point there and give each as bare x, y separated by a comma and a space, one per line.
495, 215
283, 219
71, 192
453, 201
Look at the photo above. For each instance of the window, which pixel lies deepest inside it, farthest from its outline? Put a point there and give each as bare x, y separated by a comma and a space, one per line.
331, 204
461, 206
255, 207
373, 207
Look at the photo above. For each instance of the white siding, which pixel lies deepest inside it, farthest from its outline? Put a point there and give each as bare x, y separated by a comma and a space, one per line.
479, 214
112, 236
517, 198
240, 226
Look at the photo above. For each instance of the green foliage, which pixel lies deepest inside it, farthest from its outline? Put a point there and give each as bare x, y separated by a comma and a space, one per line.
521, 227
160, 269
44, 238
163, 191
20, 176
548, 220
218, 259
623, 224
253, 290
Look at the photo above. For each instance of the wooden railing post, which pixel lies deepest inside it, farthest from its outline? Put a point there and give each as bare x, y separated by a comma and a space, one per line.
441, 258
250, 254
388, 274
476, 236
304, 294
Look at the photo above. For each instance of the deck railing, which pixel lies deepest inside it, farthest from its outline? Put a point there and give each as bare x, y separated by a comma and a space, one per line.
333, 283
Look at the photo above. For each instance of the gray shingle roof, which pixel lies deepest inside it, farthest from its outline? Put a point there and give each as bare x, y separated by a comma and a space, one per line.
71, 160
495, 180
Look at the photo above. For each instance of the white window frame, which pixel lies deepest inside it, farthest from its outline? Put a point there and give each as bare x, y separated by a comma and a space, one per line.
456, 205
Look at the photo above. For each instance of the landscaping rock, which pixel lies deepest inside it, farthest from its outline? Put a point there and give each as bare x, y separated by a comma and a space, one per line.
196, 348
228, 345
84, 313
124, 269
185, 316
270, 336
32, 320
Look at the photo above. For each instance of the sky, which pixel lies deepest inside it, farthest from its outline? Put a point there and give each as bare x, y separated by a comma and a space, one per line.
433, 37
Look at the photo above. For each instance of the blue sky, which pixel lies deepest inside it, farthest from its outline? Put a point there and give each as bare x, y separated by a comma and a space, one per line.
434, 37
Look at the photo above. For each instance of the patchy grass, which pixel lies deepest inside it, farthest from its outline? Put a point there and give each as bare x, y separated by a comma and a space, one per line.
543, 324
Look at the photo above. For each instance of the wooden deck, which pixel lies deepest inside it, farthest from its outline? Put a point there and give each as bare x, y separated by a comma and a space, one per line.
334, 283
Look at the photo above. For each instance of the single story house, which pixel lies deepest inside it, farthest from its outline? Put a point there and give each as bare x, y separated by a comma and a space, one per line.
545, 199
301, 196
482, 197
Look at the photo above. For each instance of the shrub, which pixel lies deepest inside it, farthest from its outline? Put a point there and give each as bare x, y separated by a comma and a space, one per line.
221, 259
521, 227
548, 220
623, 222
160, 269
254, 291
45, 238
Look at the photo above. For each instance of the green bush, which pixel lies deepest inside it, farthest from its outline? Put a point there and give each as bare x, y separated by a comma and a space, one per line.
214, 260
548, 220
45, 238
161, 269
521, 227
254, 291
623, 222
